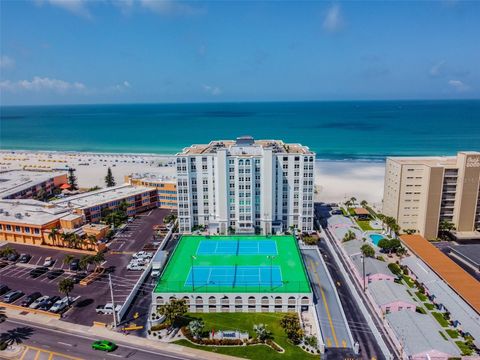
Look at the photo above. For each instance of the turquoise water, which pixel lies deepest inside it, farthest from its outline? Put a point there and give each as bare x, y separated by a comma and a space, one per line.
375, 238
335, 130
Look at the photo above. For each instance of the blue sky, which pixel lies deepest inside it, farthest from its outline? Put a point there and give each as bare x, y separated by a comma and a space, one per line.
75, 51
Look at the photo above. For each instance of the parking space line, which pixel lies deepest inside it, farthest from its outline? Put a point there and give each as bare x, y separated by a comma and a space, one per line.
24, 353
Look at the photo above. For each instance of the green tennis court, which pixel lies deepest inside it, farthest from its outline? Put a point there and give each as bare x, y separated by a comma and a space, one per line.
235, 264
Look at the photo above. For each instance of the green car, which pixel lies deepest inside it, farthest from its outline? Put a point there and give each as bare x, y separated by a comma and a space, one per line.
104, 345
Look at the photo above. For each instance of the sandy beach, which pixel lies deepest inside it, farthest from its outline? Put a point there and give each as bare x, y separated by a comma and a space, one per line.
335, 180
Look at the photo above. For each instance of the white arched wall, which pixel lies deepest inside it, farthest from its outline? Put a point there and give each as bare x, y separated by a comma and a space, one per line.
239, 302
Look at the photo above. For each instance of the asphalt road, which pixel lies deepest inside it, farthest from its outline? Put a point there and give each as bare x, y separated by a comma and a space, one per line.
359, 328
62, 345
333, 326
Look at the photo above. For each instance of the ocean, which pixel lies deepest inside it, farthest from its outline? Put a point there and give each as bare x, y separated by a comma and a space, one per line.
342, 130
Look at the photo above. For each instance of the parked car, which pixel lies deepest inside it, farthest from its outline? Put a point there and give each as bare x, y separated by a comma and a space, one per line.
104, 345
13, 256
75, 264
142, 255
37, 302
135, 266
60, 305
38, 271
107, 309
24, 258
53, 274
49, 261
47, 304
79, 276
30, 299
12, 295
4, 289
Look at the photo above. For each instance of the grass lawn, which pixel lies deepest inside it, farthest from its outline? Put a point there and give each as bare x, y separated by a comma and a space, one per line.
408, 280
421, 296
245, 322
421, 310
344, 212
364, 225
429, 306
443, 335
464, 348
452, 333
351, 211
441, 320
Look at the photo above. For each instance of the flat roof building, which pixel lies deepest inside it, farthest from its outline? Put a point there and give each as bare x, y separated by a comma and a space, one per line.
468, 255
91, 204
420, 192
245, 186
420, 337
375, 270
166, 187
391, 297
22, 184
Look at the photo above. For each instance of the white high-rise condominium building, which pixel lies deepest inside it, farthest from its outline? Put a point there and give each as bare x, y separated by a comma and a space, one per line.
246, 186
420, 192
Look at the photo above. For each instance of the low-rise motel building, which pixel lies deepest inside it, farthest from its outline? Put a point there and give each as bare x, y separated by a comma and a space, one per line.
23, 184
243, 273
91, 204
166, 187
421, 192
32, 222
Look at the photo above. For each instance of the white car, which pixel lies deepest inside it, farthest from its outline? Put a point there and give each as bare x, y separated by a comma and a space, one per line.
37, 302
60, 305
135, 266
142, 255
48, 262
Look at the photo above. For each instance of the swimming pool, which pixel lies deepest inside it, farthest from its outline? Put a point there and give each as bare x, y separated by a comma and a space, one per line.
375, 238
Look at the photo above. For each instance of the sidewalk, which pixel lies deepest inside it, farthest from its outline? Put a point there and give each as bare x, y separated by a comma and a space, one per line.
102, 332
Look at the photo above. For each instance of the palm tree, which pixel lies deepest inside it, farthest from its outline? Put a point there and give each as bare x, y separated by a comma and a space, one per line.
85, 260
444, 227
68, 259
53, 235
65, 286
353, 200
364, 203
92, 241
65, 238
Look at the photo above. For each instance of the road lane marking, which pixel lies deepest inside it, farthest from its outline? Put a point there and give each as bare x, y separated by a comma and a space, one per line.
24, 353
344, 343
325, 303
37, 355
52, 353
64, 343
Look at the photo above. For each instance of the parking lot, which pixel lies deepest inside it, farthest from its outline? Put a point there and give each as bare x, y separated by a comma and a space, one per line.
133, 238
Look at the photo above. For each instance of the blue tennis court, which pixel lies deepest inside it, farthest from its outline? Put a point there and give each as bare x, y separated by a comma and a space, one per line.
237, 247
232, 276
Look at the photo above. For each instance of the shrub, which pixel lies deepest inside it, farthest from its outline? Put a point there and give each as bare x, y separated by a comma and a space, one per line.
291, 324
159, 327
395, 269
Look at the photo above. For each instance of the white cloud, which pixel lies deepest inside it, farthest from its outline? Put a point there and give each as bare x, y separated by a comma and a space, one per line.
171, 7
333, 21
437, 69
212, 90
6, 62
42, 84
76, 7
459, 85
119, 87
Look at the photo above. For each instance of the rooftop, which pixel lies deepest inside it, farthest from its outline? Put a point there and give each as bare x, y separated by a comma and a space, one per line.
14, 181
246, 145
372, 266
101, 196
448, 161
29, 211
386, 292
458, 279
470, 252
361, 211
468, 318
153, 177
419, 333
219, 267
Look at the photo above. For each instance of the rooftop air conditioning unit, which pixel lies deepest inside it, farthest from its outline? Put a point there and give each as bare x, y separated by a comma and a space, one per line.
18, 215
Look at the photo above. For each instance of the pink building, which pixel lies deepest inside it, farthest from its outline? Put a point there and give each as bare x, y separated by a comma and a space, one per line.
391, 297
375, 270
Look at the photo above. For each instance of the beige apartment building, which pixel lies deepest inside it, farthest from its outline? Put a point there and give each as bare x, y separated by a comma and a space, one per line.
419, 192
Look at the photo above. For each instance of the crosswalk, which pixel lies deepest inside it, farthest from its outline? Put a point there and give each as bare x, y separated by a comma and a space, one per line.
35, 353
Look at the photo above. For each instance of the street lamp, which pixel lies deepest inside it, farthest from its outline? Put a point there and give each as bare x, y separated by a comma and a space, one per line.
193, 272
271, 257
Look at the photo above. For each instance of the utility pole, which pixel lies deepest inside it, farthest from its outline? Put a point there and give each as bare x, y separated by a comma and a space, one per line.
363, 272
113, 302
